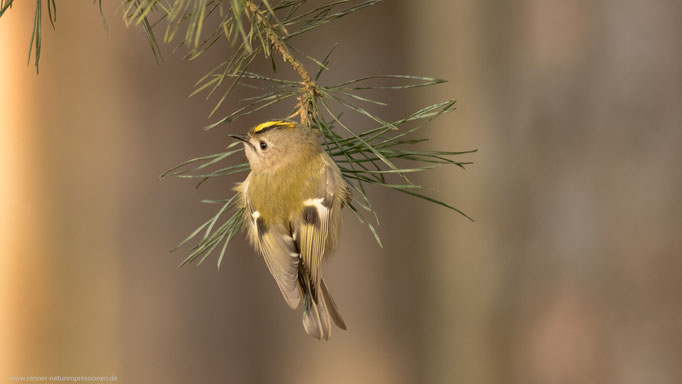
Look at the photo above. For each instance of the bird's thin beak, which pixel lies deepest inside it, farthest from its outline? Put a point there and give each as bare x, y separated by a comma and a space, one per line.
243, 138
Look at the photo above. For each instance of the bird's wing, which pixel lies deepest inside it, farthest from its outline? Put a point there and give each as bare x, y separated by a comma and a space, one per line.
277, 246
312, 232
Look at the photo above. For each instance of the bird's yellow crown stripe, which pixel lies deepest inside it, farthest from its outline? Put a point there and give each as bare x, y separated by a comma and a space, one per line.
271, 124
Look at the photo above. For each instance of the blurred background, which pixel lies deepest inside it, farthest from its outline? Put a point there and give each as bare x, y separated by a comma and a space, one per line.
570, 274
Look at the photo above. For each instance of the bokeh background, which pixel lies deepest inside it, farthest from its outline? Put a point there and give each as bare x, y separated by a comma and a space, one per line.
570, 274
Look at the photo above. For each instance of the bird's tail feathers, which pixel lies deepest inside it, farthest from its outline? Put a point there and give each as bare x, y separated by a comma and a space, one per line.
318, 316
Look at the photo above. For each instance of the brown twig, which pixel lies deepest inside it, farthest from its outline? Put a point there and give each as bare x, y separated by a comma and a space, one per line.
308, 87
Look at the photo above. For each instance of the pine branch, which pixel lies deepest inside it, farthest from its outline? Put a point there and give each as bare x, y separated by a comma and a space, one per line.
364, 158
380, 152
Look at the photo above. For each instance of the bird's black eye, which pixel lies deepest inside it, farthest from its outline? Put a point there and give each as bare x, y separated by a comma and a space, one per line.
263, 145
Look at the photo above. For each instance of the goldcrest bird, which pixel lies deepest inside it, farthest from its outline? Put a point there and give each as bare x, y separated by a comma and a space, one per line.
293, 198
